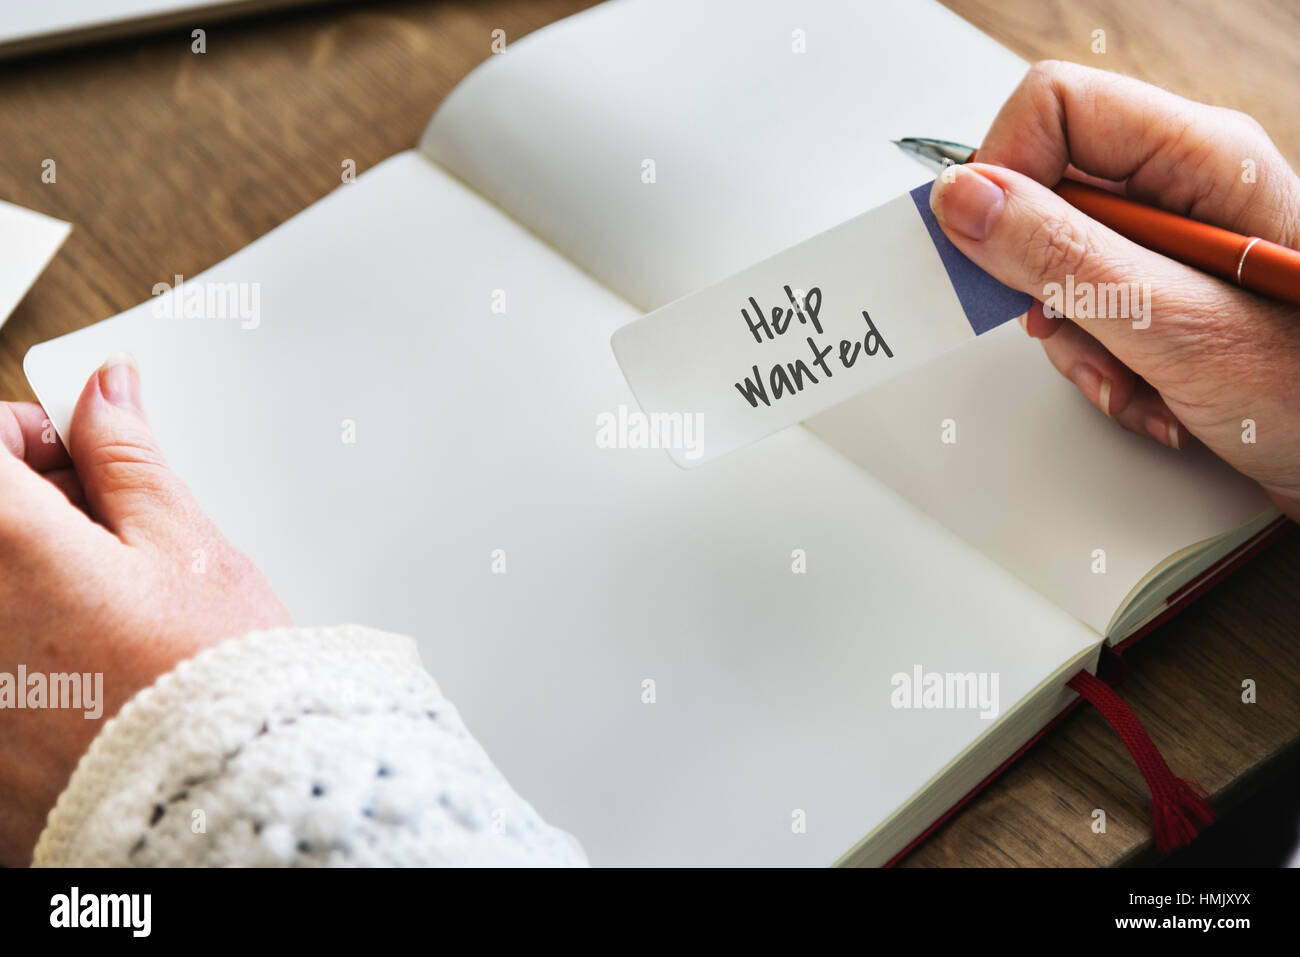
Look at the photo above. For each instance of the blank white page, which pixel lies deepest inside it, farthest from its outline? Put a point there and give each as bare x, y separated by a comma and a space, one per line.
475, 432
757, 147
1037, 478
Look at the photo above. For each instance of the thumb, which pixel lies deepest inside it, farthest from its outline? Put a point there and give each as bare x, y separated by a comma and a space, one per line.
126, 480
1140, 305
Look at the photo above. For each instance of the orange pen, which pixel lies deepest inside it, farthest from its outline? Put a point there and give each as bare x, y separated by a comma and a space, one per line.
1247, 261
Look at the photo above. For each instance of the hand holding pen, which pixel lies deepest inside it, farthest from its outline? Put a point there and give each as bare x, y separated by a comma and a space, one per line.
1211, 359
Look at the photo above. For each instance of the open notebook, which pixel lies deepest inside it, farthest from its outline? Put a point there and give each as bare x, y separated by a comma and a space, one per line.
680, 667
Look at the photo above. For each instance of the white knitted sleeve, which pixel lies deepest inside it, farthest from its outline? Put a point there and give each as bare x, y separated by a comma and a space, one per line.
323, 747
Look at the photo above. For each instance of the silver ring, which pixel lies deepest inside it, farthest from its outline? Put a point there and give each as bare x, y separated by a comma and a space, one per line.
1242, 261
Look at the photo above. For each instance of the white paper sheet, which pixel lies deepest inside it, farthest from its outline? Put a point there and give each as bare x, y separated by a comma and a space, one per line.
799, 333
767, 121
28, 241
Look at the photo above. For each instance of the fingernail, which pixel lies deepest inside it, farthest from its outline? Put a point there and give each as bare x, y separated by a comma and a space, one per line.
119, 381
1024, 323
1092, 383
970, 204
1164, 431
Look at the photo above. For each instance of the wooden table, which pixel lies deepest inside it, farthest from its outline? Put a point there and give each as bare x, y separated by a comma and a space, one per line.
168, 162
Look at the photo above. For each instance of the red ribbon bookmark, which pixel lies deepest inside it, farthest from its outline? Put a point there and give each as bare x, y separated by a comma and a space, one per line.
1178, 808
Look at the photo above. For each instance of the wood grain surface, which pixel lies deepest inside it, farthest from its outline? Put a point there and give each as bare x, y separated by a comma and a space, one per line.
168, 162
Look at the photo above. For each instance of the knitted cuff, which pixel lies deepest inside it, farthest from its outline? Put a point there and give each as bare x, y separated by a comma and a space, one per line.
187, 725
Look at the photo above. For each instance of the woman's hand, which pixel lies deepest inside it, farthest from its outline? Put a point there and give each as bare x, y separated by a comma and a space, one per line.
1215, 361
107, 565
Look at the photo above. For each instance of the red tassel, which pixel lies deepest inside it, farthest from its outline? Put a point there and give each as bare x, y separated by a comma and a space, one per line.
1179, 816
1178, 808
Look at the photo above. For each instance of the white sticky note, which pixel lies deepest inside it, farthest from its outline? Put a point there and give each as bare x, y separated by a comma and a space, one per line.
806, 329
28, 241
